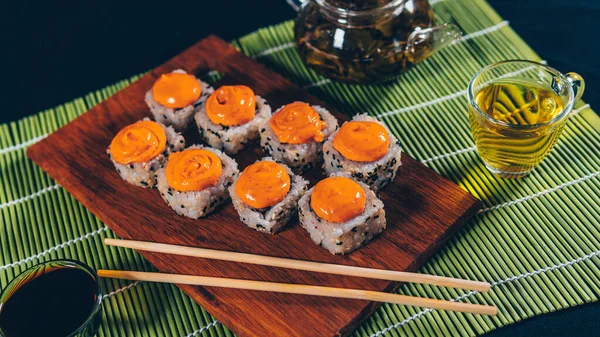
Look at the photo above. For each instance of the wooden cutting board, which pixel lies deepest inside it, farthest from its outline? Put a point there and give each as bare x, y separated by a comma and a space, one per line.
422, 208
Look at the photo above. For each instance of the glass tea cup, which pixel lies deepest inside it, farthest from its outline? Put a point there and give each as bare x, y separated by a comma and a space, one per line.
517, 110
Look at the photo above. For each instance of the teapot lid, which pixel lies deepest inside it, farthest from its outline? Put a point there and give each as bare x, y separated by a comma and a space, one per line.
358, 5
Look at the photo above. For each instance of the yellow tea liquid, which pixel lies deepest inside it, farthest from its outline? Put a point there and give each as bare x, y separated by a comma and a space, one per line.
510, 150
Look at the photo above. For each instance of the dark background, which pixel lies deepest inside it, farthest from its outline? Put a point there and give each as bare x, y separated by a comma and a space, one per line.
55, 51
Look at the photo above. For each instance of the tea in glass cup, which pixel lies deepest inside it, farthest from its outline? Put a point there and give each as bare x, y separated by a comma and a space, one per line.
517, 110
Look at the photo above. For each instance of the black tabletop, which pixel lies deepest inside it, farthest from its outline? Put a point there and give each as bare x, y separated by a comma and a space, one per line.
55, 51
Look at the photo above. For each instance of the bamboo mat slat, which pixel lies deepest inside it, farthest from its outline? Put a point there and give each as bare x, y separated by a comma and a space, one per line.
537, 239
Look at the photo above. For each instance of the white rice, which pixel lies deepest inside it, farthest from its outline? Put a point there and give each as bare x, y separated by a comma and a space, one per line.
144, 174
232, 139
299, 157
197, 204
376, 174
344, 237
272, 219
181, 118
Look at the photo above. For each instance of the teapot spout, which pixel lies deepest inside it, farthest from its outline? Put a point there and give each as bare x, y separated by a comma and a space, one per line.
422, 43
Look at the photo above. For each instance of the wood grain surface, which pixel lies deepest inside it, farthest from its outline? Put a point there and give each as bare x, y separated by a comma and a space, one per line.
422, 208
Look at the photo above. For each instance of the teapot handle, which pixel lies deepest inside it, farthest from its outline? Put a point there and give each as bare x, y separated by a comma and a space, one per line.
425, 41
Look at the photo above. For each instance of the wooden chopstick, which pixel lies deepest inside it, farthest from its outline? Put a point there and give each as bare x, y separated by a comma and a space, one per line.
300, 289
320, 267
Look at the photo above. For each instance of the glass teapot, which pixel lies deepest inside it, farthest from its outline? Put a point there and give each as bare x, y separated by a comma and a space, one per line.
368, 41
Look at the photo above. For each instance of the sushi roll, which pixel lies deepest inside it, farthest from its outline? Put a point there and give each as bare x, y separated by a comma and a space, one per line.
175, 97
231, 117
140, 149
364, 148
266, 195
294, 135
195, 181
341, 214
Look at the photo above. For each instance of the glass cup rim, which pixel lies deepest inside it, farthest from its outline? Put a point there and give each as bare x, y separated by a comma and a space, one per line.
77, 264
557, 118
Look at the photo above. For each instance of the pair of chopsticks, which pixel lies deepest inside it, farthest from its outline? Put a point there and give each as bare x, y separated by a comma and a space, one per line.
300, 288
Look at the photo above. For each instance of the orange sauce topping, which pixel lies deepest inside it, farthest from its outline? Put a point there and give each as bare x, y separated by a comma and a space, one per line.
176, 90
231, 105
362, 141
297, 123
138, 143
193, 170
263, 184
338, 199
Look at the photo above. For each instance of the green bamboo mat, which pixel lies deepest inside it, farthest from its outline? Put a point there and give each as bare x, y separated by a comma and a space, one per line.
537, 240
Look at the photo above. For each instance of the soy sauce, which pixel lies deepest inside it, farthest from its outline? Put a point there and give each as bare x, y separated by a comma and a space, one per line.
54, 304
